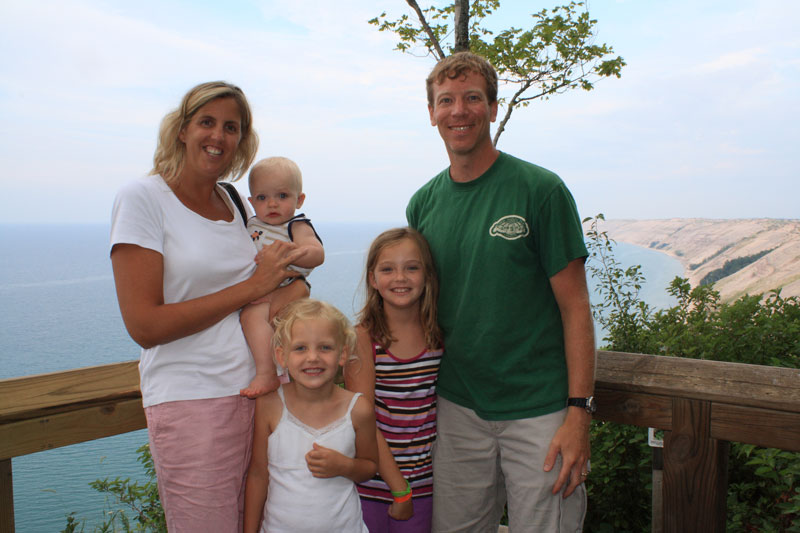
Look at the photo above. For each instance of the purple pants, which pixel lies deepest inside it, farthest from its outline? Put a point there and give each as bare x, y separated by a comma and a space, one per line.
376, 516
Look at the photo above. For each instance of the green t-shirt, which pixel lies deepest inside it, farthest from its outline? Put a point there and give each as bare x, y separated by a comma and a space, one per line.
496, 241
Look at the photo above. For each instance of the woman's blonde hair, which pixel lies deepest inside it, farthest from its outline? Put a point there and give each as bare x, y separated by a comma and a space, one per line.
169, 157
373, 319
310, 309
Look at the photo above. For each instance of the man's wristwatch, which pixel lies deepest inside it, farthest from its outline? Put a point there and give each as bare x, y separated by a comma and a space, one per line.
586, 403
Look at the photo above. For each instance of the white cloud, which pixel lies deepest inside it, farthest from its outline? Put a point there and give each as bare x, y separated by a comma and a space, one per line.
741, 59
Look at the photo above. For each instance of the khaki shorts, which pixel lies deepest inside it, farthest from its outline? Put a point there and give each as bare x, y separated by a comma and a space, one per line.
477, 462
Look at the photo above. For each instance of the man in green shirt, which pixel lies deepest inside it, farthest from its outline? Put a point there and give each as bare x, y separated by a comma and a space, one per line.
514, 308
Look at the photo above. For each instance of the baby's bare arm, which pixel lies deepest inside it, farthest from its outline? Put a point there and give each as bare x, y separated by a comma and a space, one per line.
305, 239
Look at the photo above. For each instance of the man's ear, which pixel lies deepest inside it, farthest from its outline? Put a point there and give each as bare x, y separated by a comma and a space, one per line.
433, 120
493, 111
300, 199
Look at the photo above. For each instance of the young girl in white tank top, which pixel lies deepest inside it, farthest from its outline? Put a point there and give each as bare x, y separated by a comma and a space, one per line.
312, 440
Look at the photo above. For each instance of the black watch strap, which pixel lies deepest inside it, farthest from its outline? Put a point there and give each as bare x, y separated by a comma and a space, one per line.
584, 403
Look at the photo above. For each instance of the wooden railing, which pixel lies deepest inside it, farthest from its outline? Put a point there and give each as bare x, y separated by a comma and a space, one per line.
701, 405
38, 413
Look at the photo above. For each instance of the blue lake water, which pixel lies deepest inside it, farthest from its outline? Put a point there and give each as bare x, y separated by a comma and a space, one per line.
58, 311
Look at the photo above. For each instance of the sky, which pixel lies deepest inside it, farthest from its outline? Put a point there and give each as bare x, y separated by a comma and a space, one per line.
703, 122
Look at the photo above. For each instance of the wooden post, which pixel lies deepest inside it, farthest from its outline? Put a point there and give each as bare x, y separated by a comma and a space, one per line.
6, 497
657, 514
695, 471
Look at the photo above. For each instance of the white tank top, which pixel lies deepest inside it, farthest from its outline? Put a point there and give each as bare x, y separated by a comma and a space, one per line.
299, 502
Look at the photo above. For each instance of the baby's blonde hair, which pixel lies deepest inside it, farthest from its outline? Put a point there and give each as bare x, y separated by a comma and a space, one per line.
310, 309
281, 164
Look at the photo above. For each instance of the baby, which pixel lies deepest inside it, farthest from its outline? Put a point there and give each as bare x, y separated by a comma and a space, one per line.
276, 189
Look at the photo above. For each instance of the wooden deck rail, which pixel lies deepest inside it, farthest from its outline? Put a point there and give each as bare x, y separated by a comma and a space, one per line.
702, 405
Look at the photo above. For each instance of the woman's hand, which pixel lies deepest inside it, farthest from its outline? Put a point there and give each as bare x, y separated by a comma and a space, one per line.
271, 265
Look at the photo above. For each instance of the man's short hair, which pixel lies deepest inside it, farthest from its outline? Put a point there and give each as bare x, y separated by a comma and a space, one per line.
459, 64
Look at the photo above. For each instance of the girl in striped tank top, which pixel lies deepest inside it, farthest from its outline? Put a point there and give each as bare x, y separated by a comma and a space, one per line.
399, 349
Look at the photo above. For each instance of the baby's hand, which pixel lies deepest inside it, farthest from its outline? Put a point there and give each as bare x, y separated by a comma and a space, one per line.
324, 462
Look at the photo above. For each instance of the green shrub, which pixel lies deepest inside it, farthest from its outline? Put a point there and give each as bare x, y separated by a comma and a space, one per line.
619, 487
130, 506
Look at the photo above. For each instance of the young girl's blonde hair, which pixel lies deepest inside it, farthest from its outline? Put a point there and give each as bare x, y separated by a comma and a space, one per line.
372, 317
310, 309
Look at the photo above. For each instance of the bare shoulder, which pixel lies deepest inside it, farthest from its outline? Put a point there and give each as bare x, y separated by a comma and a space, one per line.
361, 331
302, 226
269, 409
363, 342
359, 372
363, 411
302, 230
270, 401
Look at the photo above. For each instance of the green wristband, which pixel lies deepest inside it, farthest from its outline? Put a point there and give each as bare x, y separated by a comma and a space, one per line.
400, 493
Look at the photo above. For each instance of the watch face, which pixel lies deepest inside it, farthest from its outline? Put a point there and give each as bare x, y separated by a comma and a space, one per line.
591, 405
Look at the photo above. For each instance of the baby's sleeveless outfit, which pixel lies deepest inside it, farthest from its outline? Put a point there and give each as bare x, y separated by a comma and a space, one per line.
299, 502
264, 234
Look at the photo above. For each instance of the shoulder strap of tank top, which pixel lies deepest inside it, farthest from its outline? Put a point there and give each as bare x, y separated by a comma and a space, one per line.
235, 198
352, 402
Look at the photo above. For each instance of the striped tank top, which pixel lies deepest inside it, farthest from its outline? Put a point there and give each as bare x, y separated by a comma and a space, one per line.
405, 412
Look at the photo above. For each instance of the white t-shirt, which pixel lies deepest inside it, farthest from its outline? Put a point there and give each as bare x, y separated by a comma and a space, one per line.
201, 257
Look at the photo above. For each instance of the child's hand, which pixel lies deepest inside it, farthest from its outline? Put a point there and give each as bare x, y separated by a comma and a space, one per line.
324, 462
401, 511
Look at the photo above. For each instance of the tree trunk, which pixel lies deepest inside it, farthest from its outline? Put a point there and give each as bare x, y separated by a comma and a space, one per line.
462, 26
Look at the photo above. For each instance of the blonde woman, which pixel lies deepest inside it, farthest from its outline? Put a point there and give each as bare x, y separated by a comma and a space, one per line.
184, 266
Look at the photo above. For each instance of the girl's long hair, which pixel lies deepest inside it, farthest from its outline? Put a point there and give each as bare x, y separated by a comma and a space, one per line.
373, 319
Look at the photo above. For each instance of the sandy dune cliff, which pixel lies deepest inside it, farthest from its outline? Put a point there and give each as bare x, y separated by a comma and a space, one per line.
703, 245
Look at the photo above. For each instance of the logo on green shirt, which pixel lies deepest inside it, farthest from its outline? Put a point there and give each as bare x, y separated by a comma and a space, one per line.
510, 227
